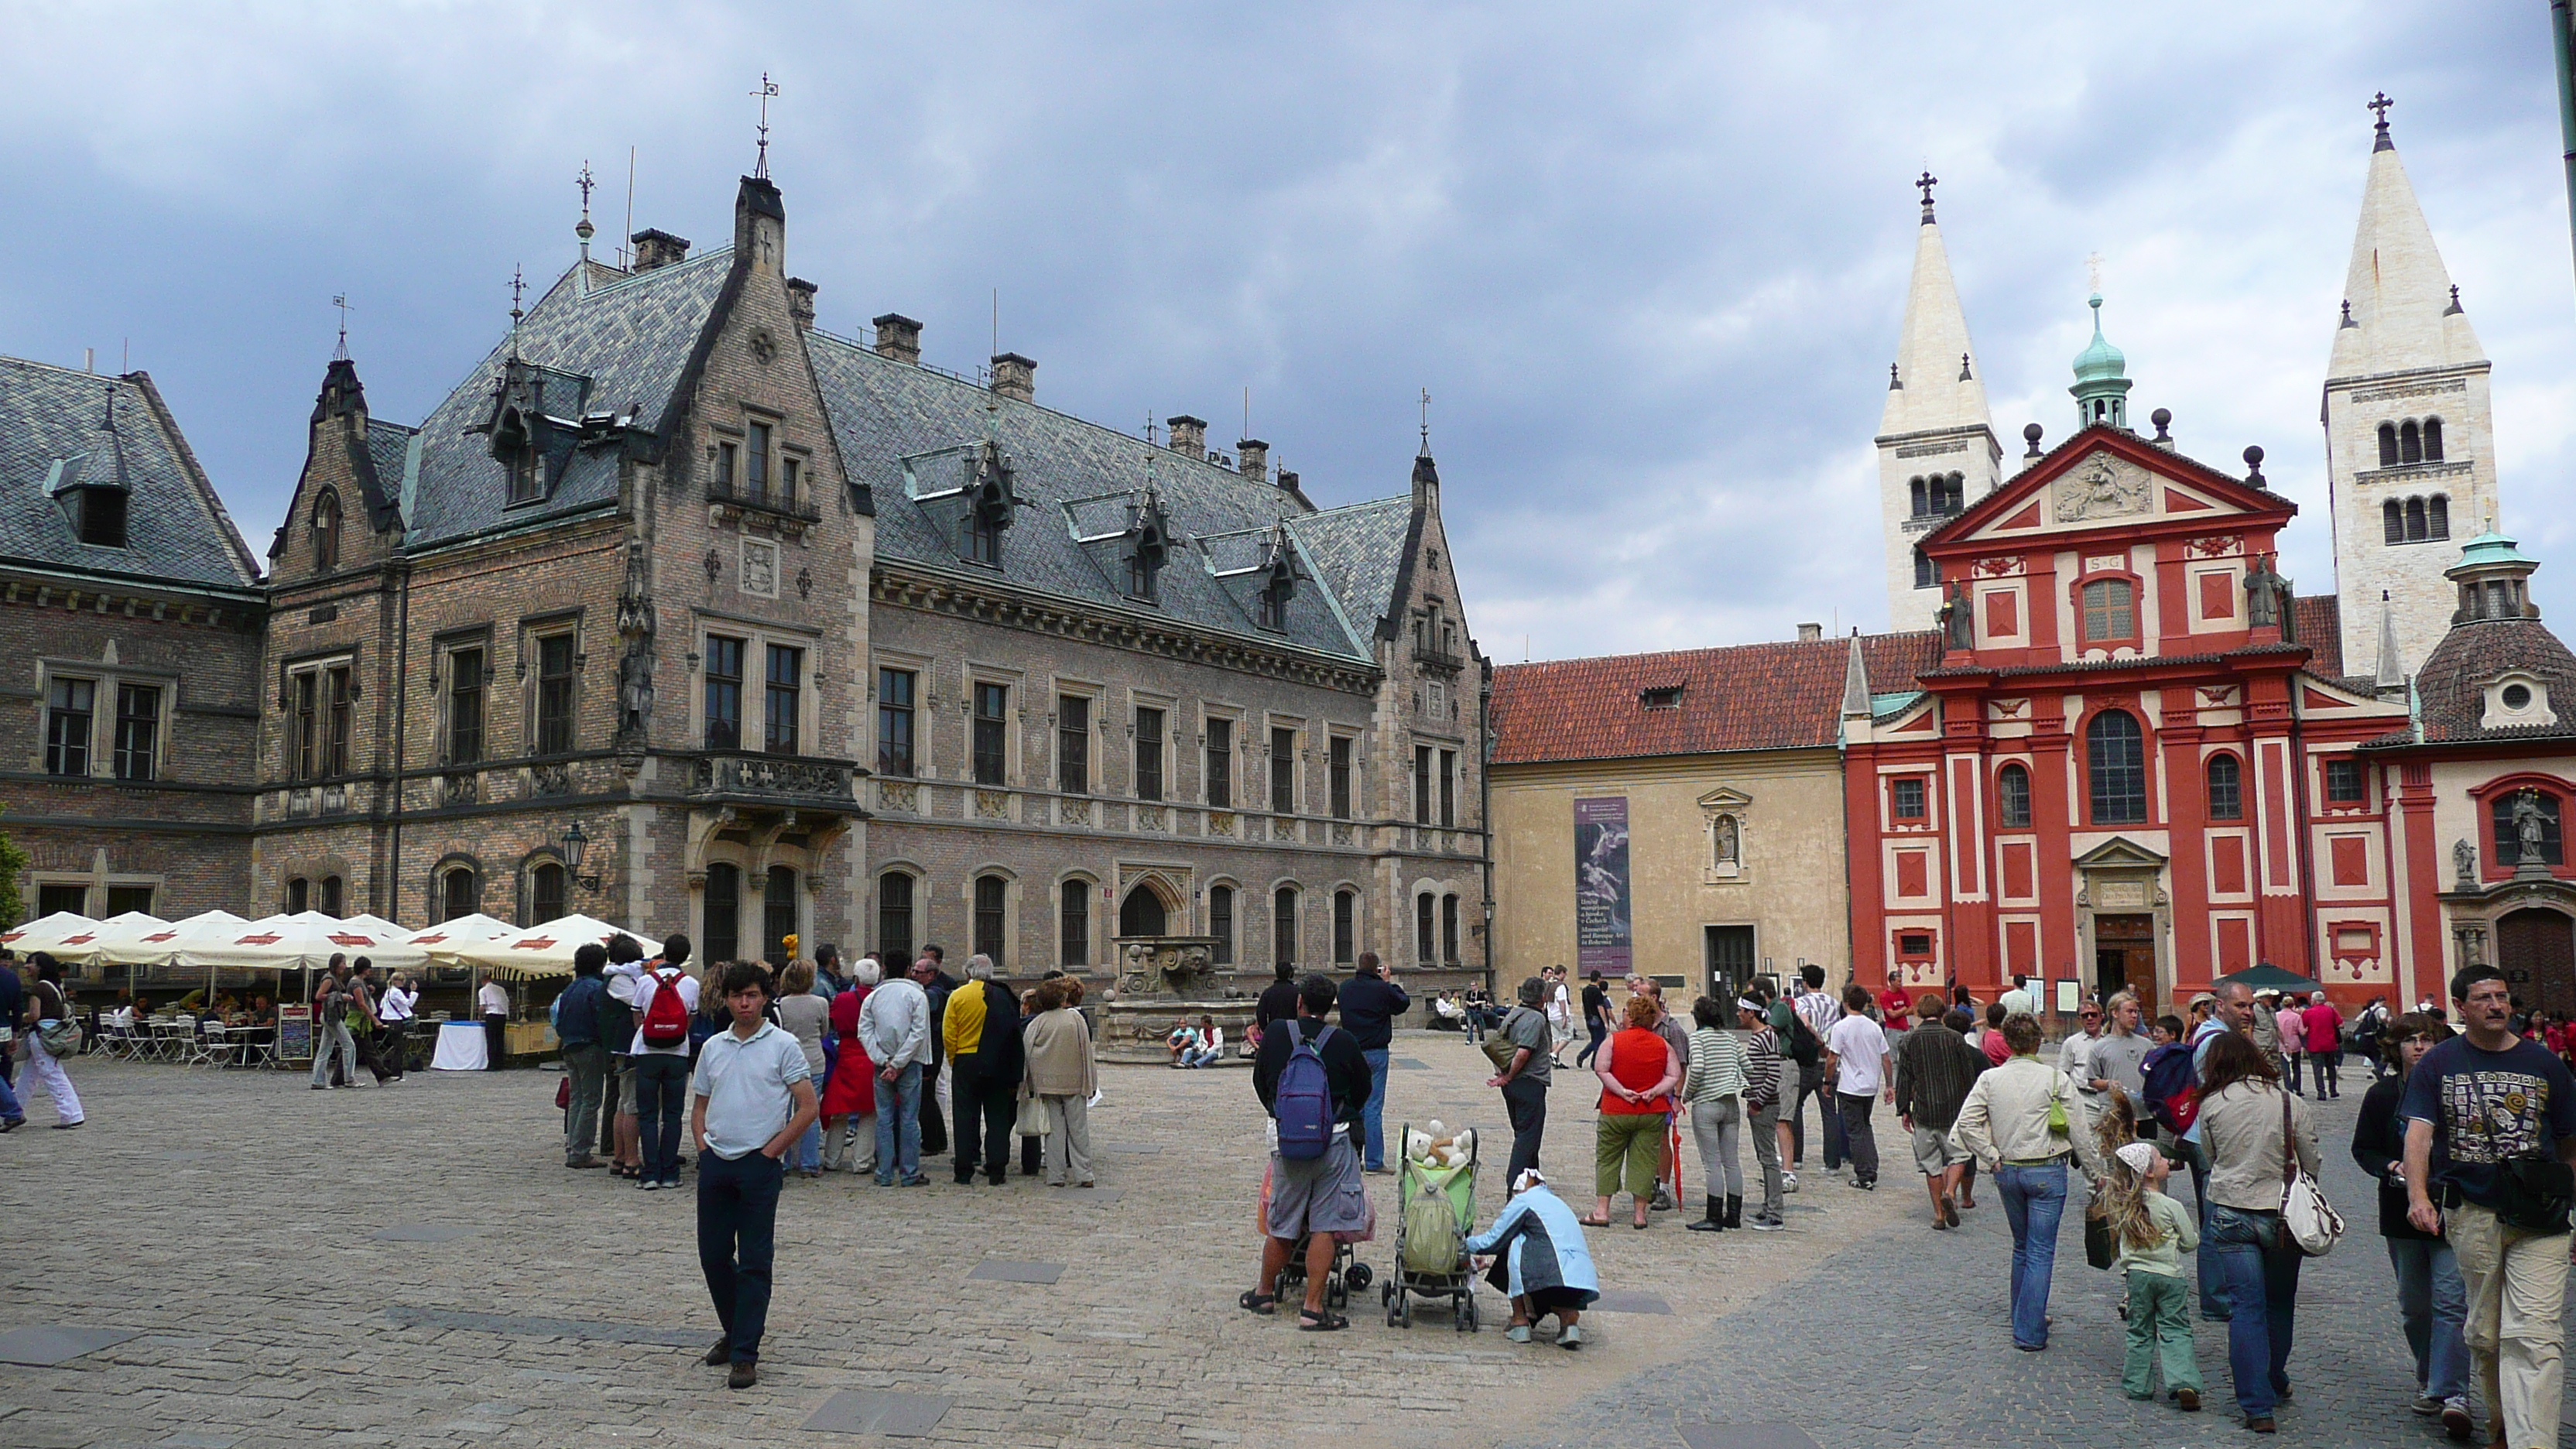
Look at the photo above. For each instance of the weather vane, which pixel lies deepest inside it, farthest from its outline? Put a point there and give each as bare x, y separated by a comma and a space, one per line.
341, 301
768, 88
2093, 271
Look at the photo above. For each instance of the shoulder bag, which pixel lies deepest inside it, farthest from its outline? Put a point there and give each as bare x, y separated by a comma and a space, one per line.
2307, 1219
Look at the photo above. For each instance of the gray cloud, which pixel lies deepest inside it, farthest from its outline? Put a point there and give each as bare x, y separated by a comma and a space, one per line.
1648, 259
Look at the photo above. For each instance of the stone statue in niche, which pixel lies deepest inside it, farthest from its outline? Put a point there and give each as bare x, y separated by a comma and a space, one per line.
2102, 489
2464, 862
1958, 630
635, 628
1730, 843
2266, 597
2530, 826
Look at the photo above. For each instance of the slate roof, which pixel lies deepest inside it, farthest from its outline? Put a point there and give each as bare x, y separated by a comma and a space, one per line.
2451, 687
176, 528
622, 345
1773, 696
883, 411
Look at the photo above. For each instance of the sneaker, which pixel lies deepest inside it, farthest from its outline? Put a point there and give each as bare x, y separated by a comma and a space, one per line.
650, 1184
672, 1182
1518, 1333
1766, 1225
68, 1126
1788, 1182
2456, 1419
2426, 1405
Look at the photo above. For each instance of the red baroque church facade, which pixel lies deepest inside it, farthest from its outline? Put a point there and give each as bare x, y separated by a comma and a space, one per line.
2135, 764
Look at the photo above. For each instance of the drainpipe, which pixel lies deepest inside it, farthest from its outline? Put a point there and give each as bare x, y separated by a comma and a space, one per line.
1485, 809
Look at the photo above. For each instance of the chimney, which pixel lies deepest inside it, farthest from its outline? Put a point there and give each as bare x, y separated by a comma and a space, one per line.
1288, 479
898, 337
1188, 436
800, 302
1811, 633
1015, 376
1254, 456
657, 248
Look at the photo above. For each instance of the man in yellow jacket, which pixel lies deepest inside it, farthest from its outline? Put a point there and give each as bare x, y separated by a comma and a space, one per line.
981, 1030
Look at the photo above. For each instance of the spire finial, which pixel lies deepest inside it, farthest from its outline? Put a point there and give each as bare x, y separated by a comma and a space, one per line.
584, 229
1925, 183
1426, 423
1964, 374
2378, 105
518, 294
1894, 382
2454, 308
768, 88
341, 353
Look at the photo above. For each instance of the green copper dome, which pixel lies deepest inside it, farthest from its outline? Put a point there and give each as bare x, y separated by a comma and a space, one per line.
2101, 380
2489, 548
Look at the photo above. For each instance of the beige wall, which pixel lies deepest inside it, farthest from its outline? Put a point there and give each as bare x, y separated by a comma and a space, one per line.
1790, 888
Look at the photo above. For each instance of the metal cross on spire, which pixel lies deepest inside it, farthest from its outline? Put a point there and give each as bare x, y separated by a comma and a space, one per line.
518, 294
1926, 182
768, 88
341, 353
1426, 422
2378, 105
584, 229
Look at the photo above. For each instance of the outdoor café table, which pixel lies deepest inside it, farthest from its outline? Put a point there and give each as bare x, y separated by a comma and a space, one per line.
460, 1048
248, 1044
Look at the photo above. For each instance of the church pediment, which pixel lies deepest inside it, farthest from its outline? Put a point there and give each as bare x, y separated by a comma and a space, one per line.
2119, 853
1725, 800
2105, 478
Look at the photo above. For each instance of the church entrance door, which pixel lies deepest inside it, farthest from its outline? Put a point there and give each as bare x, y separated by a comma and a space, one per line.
2124, 956
2536, 950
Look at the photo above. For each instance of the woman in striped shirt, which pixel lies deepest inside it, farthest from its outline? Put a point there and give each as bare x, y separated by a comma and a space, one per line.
1713, 1090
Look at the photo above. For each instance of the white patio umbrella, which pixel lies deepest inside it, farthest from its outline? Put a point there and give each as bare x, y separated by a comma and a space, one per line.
91, 947
63, 931
444, 940
541, 950
148, 942
377, 923
306, 941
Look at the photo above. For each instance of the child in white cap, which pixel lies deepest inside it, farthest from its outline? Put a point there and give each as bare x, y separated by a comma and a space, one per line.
2154, 1232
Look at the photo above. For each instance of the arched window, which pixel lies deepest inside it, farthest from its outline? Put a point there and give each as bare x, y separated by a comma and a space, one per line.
894, 918
2012, 797
990, 915
2387, 445
2432, 440
1958, 493
1922, 498
456, 894
1142, 914
1346, 926
2410, 444
2116, 753
722, 937
326, 531
299, 895
2226, 788
778, 916
1073, 924
2550, 848
1424, 928
334, 897
1220, 924
2414, 520
2392, 520
1283, 926
546, 891
2110, 610
1927, 573
1449, 929
2437, 517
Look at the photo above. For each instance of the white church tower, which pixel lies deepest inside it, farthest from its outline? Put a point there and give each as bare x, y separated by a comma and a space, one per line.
2410, 453
1936, 442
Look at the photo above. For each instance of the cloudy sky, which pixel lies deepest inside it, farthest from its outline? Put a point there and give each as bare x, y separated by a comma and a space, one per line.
1648, 259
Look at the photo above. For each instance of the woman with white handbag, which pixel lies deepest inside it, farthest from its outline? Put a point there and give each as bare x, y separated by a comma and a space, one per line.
2261, 1144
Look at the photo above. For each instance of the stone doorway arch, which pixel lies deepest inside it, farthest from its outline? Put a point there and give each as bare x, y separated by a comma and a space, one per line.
1144, 912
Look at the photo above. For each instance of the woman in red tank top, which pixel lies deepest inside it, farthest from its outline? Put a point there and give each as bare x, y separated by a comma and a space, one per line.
1638, 1071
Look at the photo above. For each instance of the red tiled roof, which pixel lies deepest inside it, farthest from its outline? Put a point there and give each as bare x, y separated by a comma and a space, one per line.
1743, 697
2318, 621
2451, 687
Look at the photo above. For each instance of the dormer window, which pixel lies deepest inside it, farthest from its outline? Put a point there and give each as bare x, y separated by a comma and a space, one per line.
326, 531
989, 501
101, 516
512, 444
1274, 601
983, 539
1664, 696
2515, 700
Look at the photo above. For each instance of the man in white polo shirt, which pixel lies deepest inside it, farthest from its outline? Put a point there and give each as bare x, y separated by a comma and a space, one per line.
753, 1097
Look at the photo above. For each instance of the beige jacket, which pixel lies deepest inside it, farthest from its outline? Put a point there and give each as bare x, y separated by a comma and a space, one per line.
1059, 1055
2005, 1118
2240, 1129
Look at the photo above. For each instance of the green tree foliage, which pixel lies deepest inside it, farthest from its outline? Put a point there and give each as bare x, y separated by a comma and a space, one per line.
12, 861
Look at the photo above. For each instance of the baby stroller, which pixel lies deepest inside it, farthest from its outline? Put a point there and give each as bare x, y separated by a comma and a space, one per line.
1435, 1208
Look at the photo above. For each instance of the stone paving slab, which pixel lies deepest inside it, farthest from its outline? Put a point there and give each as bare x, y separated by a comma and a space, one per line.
1748, 1436
45, 1345
422, 1233
998, 1270
861, 1411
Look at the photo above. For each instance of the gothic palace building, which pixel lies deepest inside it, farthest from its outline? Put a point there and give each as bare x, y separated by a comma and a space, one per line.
2108, 746
683, 613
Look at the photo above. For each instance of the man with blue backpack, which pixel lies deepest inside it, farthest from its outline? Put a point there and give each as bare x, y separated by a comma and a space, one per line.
1315, 1084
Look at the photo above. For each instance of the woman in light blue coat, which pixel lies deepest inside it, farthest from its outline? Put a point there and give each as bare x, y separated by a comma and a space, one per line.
1538, 1256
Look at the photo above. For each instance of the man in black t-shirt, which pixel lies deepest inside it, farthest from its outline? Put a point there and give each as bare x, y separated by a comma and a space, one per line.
1596, 1015
1278, 1001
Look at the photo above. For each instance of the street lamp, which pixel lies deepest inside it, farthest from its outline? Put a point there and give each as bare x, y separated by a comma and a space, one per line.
576, 844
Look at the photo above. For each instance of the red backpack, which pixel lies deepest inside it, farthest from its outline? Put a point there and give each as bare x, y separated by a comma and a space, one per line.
666, 1016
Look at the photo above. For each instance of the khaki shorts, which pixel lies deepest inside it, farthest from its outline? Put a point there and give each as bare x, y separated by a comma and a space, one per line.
625, 1069
1319, 1195
1934, 1151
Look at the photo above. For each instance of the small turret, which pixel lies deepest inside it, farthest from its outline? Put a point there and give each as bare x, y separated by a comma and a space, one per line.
2101, 387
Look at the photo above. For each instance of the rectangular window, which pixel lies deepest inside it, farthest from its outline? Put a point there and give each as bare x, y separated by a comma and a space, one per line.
2343, 782
1149, 754
56, 899
1421, 784
1907, 796
1422, 930
728, 458
68, 709
1448, 787
785, 704
724, 695
791, 481
335, 741
1073, 925
991, 917
464, 706
1341, 777
1346, 909
1221, 924
894, 920
755, 459
894, 723
306, 689
723, 912
138, 730
992, 702
1073, 745
1283, 926
1449, 929
1220, 764
2110, 610
1283, 771
554, 694
121, 899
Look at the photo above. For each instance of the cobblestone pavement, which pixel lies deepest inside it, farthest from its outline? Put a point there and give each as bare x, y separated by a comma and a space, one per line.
412, 1266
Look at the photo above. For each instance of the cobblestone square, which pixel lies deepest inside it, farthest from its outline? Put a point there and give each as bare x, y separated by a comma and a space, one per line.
288, 1266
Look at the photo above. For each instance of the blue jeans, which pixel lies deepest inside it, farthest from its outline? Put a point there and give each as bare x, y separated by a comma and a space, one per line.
1373, 1116
10, 1110
737, 1236
809, 1148
1599, 1032
2435, 1306
2262, 1299
661, 1086
899, 1126
2034, 1201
